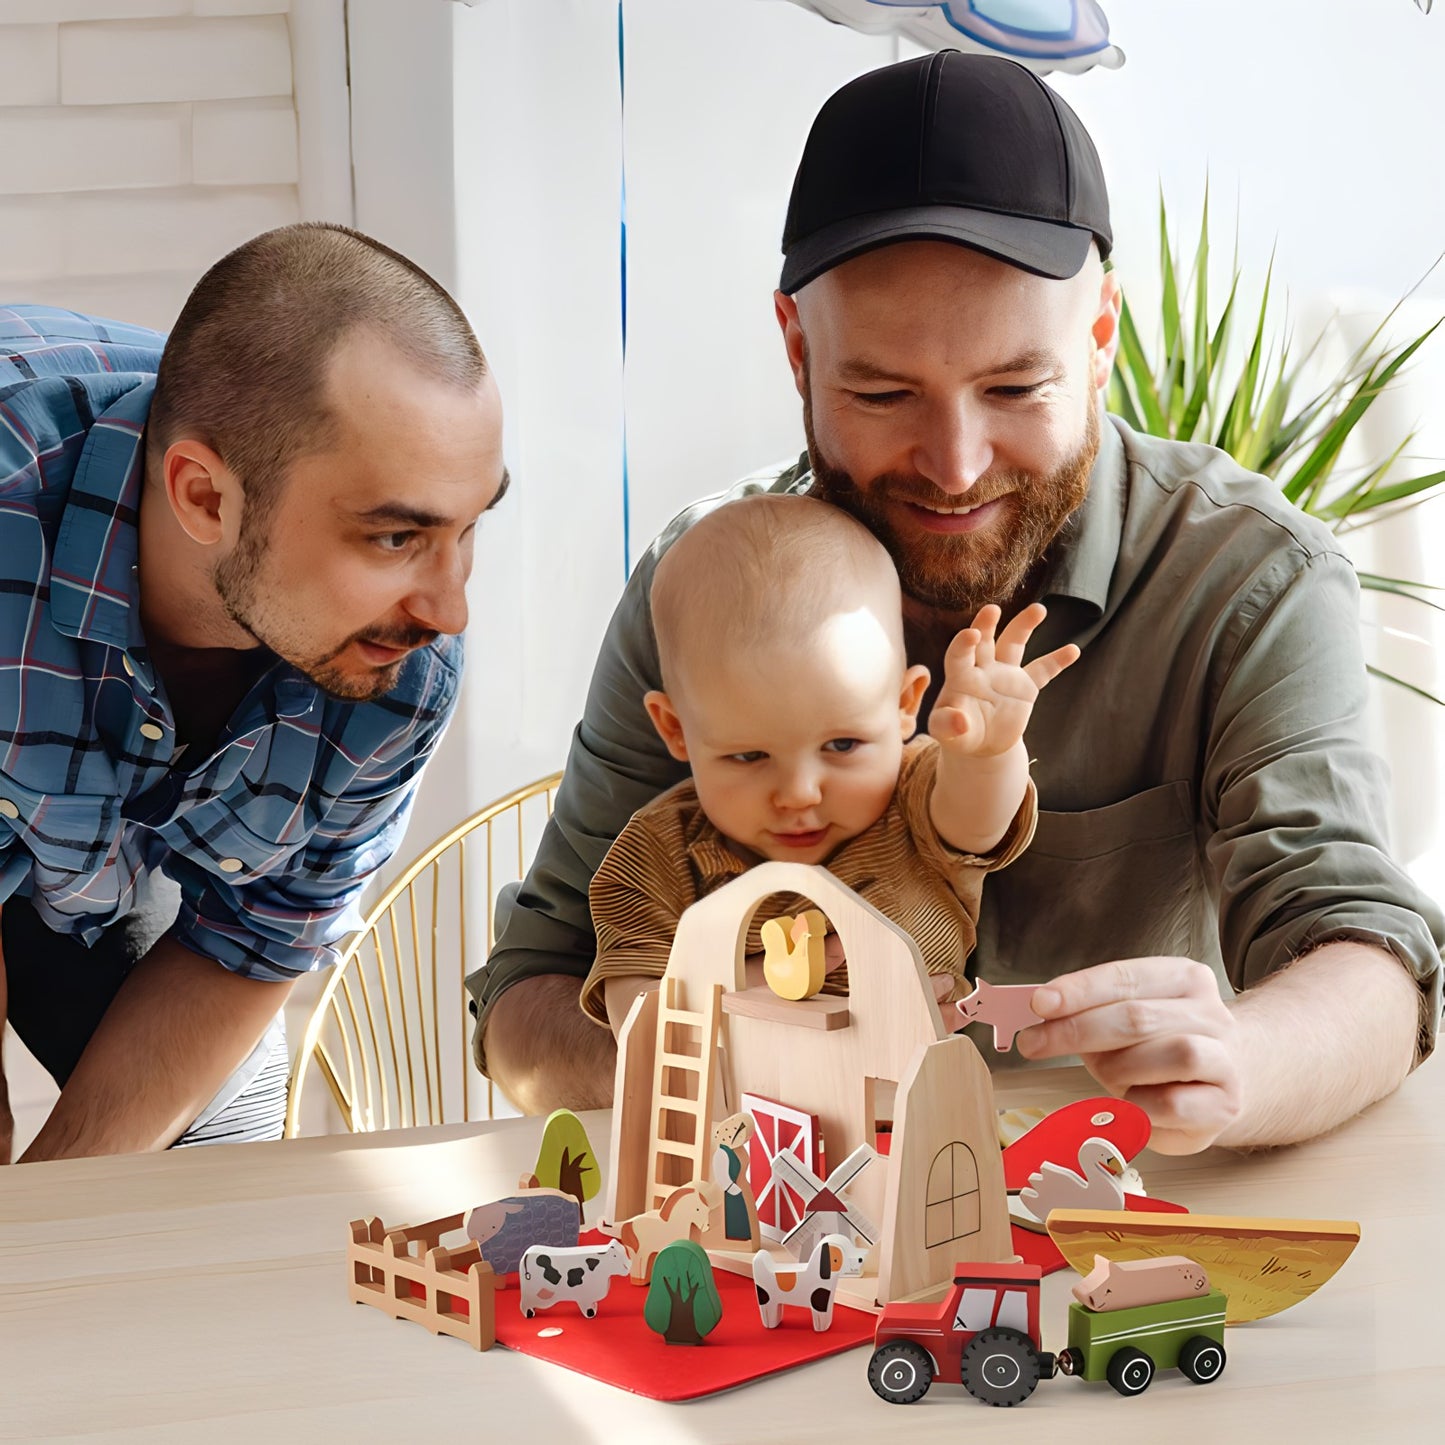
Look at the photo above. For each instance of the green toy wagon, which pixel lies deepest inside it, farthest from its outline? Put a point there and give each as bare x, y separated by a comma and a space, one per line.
1125, 1347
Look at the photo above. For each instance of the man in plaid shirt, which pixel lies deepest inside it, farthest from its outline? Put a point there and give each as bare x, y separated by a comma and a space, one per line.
231, 575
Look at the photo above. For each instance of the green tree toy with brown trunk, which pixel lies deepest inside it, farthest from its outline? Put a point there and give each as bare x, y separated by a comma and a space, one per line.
565, 1160
682, 1301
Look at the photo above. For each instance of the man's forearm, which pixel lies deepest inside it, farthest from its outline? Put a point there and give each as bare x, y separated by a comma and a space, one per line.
543, 1052
1322, 1040
178, 1028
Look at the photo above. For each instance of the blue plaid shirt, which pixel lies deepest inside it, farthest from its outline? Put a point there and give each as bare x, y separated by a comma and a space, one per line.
274, 836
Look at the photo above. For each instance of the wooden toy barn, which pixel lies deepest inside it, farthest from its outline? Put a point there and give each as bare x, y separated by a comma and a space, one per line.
690, 1050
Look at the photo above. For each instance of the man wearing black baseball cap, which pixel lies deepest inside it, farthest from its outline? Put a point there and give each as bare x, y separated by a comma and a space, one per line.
1209, 804
949, 148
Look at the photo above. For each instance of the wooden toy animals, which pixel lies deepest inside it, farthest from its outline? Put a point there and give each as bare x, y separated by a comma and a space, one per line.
1057, 1140
1096, 1184
811, 1287
1262, 1265
1005, 1006
565, 1159
794, 961
1058, 1136
682, 1303
730, 1173
985, 1334
410, 1275
506, 1228
582, 1275
1125, 1283
683, 1215
825, 1211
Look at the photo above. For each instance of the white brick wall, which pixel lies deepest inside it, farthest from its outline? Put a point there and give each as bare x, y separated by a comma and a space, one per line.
15, 12
59, 149
139, 141
244, 142
191, 59
239, 7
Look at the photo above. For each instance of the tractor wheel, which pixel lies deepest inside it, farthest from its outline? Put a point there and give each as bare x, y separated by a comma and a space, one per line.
1130, 1371
1202, 1359
900, 1372
1000, 1367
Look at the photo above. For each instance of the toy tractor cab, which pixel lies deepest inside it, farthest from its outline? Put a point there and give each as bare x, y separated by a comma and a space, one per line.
984, 1333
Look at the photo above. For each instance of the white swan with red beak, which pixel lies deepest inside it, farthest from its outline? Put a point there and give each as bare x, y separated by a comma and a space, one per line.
1098, 1183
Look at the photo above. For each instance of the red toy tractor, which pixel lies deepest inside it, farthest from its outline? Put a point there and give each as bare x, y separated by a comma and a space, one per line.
984, 1333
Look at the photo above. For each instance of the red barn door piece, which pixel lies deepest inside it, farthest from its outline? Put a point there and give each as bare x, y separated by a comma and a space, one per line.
777, 1128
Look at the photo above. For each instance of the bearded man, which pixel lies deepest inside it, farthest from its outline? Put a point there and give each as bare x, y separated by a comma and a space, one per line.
1208, 804
231, 575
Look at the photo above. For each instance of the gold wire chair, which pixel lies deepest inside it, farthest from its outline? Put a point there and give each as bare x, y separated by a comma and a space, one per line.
383, 1032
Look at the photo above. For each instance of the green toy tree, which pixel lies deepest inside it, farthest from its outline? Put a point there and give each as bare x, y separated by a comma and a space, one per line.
682, 1300
566, 1161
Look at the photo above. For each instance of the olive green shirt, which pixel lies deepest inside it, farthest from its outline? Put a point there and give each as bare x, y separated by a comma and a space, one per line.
1205, 787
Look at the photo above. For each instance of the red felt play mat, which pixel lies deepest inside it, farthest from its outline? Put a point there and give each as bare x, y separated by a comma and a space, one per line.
618, 1348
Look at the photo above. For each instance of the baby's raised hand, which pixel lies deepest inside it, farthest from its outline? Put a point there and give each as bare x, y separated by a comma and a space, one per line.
988, 694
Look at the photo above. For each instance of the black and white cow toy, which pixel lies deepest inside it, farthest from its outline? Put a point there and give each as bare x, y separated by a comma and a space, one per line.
583, 1275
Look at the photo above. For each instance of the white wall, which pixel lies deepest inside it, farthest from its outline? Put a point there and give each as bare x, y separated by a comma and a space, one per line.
139, 141
1318, 115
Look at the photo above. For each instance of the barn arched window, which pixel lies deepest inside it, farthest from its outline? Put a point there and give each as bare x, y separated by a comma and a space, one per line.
951, 1208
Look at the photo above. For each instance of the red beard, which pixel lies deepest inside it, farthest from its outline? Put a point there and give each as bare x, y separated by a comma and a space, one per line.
962, 572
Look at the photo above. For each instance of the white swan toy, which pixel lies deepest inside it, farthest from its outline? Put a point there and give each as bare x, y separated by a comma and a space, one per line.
1098, 1183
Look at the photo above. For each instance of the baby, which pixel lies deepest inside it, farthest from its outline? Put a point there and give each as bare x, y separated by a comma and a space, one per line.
788, 693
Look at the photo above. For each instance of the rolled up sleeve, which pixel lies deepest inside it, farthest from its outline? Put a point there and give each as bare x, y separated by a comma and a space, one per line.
1295, 798
915, 794
637, 897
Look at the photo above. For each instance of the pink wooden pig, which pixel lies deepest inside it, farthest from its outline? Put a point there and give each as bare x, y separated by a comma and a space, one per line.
1005, 1006
1120, 1284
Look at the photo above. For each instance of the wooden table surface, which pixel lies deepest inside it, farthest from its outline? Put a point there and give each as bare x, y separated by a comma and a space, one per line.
200, 1297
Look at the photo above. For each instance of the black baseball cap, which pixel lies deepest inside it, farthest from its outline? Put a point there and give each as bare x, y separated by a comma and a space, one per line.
951, 147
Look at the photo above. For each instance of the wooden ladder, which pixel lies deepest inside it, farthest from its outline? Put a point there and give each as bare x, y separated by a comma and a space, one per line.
682, 1119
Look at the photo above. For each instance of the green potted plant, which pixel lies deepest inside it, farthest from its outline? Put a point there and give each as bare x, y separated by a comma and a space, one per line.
1247, 394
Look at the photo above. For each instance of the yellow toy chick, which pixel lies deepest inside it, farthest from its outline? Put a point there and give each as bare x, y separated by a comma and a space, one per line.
794, 963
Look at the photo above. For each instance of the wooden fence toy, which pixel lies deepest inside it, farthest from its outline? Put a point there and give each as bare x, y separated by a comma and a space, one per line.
410, 1275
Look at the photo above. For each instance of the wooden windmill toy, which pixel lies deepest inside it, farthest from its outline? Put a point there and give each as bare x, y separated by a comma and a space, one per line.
825, 1211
